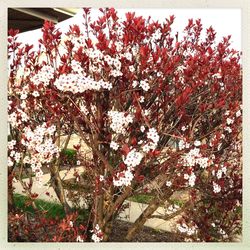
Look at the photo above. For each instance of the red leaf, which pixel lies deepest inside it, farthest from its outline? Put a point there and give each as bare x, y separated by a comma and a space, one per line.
125, 149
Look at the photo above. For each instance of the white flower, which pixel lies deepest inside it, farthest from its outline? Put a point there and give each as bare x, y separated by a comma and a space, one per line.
229, 121
78, 163
146, 112
144, 85
141, 99
238, 113
97, 234
168, 183
23, 105
10, 162
35, 94
101, 178
131, 68
217, 75
183, 128
224, 170
182, 227
197, 143
116, 73
216, 188
228, 129
142, 128
191, 180
128, 56
23, 96
146, 148
135, 84
219, 174
71, 224
114, 145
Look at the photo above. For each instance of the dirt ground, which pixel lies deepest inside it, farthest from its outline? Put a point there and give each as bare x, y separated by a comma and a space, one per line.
147, 234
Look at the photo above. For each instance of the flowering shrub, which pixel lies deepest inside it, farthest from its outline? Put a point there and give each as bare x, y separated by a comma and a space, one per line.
160, 115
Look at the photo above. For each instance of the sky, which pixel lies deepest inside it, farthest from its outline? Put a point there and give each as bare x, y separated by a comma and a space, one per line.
224, 21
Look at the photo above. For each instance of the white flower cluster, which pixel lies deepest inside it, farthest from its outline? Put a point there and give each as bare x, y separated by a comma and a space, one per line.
230, 121
114, 145
153, 136
156, 35
11, 144
43, 76
40, 147
123, 178
115, 65
83, 109
79, 239
215, 139
194, 157
14, 156
17, 117
76, 67
128, 56
219, 172
119, 121
98, 59
119, 46
191, 179
216, 187
97, 235
184, 228
76, 40
78, 83
183, 144
133, 158
172, 209
144, 85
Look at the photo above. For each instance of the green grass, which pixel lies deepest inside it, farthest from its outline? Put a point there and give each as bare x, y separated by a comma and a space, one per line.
52, 209
141, 198
180, 203
69, 156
